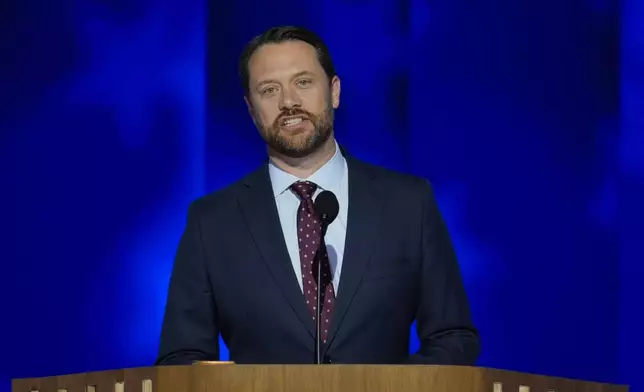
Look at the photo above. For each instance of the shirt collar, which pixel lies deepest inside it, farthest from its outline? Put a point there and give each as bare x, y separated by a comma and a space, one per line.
327, 177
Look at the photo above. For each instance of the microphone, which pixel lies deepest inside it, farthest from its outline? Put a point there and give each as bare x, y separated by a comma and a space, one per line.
326, 207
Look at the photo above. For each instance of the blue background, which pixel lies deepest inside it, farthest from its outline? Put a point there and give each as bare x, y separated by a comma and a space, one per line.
526, 116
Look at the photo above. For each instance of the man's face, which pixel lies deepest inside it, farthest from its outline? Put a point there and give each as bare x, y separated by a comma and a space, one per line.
291, 99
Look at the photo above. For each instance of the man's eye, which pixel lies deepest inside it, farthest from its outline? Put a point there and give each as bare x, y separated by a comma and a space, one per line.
268, 90
304, 82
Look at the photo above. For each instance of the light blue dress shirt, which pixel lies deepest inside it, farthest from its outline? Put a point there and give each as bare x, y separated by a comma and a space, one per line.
334, 177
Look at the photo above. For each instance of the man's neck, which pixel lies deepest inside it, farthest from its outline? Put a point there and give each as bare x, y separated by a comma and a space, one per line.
304, 167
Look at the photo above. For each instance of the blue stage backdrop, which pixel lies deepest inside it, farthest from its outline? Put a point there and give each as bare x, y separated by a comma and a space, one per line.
631, 180
116, 114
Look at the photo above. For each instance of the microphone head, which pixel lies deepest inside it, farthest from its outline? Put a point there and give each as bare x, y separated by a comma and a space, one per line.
326, 206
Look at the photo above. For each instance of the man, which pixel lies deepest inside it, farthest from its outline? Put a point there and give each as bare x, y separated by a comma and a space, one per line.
244, 264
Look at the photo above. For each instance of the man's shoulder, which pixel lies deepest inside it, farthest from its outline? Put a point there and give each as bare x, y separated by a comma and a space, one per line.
393, 179
224, 198
409, 195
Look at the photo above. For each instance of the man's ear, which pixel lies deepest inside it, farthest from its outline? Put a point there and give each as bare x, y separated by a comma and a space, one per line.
251, 110
335, 91
249, 106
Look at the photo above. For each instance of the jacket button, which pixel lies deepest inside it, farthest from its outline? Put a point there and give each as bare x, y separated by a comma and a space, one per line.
327, 359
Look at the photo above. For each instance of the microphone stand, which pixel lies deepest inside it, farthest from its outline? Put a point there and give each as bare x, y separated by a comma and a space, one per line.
318, 319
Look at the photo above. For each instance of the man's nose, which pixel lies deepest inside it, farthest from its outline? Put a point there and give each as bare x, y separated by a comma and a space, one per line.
290, 99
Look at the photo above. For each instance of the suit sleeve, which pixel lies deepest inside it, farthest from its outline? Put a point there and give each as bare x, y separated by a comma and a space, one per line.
445, 329
189, 331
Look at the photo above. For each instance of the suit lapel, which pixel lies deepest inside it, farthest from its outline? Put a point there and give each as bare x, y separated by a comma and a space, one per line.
260, 211
365, 206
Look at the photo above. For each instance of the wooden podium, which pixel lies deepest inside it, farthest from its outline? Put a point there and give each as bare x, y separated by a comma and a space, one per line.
228, 377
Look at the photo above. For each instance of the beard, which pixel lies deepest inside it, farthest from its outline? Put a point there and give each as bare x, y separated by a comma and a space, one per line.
298, 143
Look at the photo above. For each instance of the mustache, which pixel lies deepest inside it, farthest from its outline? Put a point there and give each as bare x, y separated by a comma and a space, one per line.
294, 112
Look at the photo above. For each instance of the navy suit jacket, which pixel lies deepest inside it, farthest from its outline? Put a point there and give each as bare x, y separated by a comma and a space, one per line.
233, 276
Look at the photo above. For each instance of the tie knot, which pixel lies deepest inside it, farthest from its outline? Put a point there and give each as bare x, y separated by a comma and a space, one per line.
304, 189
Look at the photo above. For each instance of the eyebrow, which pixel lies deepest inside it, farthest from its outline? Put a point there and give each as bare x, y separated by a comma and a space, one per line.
297, 75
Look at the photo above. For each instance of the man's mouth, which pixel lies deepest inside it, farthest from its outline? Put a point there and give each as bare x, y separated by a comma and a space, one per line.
292, 121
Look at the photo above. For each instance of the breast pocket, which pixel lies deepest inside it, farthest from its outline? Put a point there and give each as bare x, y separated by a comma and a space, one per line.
390, 269
388, 287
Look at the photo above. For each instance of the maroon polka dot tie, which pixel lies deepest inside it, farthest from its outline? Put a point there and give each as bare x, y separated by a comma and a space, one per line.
309, 239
